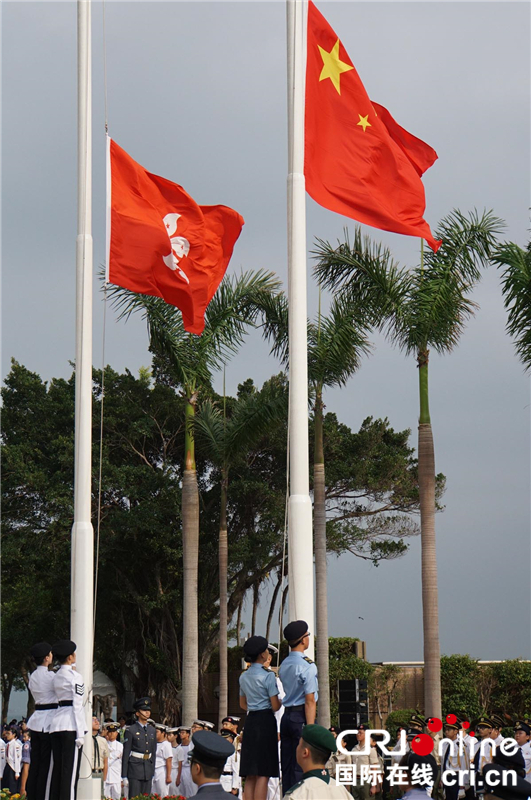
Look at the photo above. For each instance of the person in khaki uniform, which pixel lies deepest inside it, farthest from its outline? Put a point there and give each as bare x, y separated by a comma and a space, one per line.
362, 790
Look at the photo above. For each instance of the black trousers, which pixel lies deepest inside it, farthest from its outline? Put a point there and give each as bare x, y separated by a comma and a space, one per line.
40, 766
291, 726
9, 781
66, 763
137, 787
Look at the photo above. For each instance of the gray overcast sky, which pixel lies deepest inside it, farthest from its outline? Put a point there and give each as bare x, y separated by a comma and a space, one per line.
197, 93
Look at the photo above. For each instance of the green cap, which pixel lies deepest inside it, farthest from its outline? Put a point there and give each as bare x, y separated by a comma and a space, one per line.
320, 738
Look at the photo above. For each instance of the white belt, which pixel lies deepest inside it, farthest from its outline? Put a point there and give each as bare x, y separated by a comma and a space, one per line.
145, 756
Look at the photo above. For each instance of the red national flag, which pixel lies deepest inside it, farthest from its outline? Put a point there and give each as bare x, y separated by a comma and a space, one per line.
358, 161
161, 242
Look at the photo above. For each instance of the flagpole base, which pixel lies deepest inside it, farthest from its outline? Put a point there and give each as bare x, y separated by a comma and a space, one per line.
89, 789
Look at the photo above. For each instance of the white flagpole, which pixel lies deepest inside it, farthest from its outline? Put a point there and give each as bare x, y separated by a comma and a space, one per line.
300, 538
82, 601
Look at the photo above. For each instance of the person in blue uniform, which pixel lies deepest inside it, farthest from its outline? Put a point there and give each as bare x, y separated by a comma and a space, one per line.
140, 751
299, 679
208, 758
259, 697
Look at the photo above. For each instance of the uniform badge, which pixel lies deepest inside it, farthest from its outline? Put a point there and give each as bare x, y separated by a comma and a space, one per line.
80, 689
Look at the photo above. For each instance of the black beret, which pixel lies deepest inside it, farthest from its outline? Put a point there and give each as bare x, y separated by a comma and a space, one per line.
210, 749
64, 648
40, 650
255, 645
294, 631
142, 704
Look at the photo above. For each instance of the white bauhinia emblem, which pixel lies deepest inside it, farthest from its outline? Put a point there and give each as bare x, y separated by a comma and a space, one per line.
180, 247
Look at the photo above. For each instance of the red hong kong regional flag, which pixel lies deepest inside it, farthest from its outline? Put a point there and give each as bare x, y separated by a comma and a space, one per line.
358, 161
161, 243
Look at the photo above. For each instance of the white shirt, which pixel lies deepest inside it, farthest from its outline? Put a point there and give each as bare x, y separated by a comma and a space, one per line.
526, 752
14, 755
68, 685
2, 756
114, 770
164, 751
232, 781
281, 695
41, 686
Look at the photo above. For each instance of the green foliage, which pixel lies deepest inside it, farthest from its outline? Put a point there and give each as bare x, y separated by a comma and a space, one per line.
367, 471
139, 597
191, 360
459, 686
516, 288
511, 693
344, 665
397, 719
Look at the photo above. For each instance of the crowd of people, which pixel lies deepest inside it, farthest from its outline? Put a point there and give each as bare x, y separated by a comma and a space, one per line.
279, 752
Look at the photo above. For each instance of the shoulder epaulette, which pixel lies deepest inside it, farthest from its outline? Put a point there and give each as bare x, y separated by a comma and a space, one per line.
309, 660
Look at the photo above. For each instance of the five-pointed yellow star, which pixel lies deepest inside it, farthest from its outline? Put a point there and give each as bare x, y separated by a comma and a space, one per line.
364, 122
333, 66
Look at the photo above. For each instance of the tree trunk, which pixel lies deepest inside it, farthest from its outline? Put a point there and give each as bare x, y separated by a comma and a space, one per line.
256, 596
239, 623
321, 582
7, 685
223, 620
430, 601
272, 608
190, 518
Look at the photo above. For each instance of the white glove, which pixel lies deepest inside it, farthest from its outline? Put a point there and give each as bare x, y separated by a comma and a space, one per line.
125, 781
80, 742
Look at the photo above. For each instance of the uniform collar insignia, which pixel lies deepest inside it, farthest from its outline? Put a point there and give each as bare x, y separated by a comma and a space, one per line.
322, 774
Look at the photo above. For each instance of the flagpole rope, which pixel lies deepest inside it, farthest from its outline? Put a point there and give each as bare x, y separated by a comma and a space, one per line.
281, 612
100, 465
105, 69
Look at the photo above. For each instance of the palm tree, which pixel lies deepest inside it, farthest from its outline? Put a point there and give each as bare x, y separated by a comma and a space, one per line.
516, 288
336, 344
227, 440
425, 308
190, 362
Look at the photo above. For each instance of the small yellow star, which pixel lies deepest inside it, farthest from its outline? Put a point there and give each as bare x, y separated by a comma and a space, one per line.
333, 66
364, 122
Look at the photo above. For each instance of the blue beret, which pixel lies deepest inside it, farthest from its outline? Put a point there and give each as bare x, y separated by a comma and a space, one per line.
255, 645
294, 631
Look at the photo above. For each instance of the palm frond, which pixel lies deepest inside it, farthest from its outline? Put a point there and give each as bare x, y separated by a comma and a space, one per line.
275, 325
365, 272
516, 288
336, 344
210, 431
437, 306
167, 336
255, 414
233, 309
